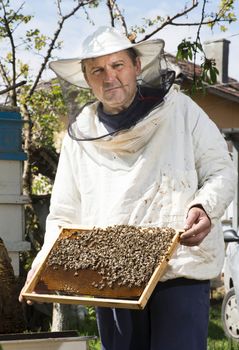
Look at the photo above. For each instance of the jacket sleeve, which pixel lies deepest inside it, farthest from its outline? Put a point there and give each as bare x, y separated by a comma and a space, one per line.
65, 198
216, 172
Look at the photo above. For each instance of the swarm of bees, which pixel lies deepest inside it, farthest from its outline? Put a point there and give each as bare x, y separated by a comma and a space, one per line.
122, 255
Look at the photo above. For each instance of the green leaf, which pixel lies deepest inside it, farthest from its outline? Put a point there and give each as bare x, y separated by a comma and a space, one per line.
213, 75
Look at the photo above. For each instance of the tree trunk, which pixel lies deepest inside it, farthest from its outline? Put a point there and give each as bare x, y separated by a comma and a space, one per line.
27, 175
11, 313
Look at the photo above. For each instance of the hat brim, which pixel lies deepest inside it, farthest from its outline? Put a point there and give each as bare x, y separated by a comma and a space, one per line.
150, 53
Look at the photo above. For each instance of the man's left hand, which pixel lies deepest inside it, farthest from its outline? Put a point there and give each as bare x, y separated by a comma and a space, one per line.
197, 227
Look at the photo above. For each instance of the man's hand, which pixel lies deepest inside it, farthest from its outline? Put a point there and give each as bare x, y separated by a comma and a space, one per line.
197, 227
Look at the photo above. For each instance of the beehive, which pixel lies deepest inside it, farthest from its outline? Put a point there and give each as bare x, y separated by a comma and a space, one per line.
117, 266
12, 200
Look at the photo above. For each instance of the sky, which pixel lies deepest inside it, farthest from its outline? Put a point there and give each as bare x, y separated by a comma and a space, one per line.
77, 28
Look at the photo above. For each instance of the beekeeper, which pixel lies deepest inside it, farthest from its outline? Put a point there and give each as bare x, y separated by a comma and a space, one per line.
144, 154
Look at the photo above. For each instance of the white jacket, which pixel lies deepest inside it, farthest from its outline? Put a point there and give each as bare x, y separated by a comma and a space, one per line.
149, 175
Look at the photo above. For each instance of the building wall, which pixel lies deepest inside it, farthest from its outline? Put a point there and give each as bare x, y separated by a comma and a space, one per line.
224, 113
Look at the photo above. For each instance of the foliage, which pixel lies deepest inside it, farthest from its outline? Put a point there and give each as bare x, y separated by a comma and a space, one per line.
75, 98
94, 344
89, 326
47, 109
41, 185
34, 235
187, 51
41, 104
226, 10
147, 22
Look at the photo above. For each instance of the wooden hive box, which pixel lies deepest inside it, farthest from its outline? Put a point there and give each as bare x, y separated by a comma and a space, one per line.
68, 284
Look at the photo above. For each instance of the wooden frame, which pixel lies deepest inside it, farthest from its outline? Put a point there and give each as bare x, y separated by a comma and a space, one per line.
139, 303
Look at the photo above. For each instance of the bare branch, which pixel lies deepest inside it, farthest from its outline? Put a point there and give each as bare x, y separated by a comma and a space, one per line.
58, 4
198, 40
218, 17
206, 22
9, 88
169, 20
75, 9
53, 42
4, 74
115, 13
201, 23
16, 12
13, 49
110, 7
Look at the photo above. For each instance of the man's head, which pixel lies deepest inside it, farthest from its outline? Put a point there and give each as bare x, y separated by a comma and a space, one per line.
112, 78
106, 41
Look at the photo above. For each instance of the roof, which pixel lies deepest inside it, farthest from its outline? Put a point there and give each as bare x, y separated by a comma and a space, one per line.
228, 90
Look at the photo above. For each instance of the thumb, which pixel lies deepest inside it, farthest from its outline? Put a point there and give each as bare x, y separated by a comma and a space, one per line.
191, 218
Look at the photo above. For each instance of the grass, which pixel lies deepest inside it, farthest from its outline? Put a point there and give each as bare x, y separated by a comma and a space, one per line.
217, 339
94, 344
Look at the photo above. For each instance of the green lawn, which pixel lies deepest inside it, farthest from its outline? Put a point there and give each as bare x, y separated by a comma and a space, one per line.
216, 337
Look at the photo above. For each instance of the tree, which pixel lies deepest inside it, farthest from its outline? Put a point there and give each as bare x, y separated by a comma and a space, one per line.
40, 103
13, 70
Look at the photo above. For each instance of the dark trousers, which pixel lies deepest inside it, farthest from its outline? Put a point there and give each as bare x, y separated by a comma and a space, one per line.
175, 318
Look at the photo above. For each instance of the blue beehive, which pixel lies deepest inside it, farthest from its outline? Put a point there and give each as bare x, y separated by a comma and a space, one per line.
11, 135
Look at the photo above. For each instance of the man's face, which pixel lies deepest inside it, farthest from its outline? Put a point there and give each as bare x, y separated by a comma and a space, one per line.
112, 79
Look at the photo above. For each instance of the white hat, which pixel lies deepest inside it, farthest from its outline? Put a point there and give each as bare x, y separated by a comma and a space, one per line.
104, 41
